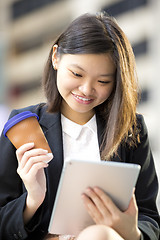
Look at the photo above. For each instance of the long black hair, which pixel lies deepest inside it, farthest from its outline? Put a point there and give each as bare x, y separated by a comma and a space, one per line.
99, 34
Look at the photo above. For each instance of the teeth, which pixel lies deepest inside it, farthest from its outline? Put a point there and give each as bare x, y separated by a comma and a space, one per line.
81, 98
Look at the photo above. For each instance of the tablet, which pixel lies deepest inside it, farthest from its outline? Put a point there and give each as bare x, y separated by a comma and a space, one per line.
117, 179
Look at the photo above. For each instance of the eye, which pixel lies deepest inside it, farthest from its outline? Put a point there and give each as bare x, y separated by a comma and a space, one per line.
104, 82
76, 74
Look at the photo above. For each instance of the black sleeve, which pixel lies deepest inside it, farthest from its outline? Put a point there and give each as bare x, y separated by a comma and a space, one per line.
12, 194
147, 186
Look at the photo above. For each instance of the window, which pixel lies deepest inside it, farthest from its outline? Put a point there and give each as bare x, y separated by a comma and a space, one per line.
140, 47
22, 7
124, 6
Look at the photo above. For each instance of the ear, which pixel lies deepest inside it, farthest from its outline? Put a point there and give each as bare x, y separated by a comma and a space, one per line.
54, 57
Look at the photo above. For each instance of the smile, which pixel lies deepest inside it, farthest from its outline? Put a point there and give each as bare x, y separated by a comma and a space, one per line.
82, 99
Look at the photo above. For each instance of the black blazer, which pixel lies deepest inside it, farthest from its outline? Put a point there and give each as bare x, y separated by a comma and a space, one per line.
13, 193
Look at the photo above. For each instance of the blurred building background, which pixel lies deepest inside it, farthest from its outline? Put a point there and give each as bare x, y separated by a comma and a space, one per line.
28, 28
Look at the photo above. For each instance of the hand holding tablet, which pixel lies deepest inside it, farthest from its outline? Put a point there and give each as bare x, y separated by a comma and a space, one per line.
117, 179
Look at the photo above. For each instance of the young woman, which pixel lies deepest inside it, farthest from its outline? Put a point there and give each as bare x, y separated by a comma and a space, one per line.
91, 89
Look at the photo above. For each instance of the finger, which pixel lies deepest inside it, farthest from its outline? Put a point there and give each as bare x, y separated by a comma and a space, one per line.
34, 153
21, 150
107, 201
49, 156
91, 208
34, 157
95, 198
101, 208
31, 173
36, 167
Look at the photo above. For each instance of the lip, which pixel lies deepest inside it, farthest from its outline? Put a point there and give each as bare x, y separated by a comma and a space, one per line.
81, 99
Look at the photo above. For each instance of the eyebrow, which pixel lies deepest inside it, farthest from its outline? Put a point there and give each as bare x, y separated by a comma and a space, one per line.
102, 75
77, 66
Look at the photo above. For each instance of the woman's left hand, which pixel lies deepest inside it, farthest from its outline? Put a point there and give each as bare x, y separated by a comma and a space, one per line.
103, 211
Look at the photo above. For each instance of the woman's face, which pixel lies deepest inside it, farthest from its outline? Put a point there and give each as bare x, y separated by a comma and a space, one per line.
84, 81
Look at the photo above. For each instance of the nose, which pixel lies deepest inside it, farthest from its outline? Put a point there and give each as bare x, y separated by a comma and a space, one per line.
87, 89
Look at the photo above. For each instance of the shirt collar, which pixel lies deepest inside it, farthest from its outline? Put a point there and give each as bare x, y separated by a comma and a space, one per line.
73, 129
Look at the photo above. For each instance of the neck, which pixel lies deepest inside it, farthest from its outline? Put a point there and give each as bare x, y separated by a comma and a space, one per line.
79, 118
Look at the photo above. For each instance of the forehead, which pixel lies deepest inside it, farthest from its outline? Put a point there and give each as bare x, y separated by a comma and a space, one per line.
89, 62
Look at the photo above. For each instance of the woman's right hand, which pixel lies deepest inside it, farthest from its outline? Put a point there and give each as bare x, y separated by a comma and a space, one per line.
31, 164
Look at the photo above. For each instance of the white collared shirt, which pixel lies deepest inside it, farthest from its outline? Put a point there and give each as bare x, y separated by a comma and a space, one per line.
80, 142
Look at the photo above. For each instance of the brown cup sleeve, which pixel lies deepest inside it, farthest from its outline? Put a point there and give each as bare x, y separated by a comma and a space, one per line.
26, 131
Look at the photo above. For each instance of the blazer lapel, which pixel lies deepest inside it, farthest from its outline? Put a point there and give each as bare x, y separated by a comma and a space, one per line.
51, 126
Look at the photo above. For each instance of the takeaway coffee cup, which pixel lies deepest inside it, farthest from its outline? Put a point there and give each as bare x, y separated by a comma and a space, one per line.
24, 128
